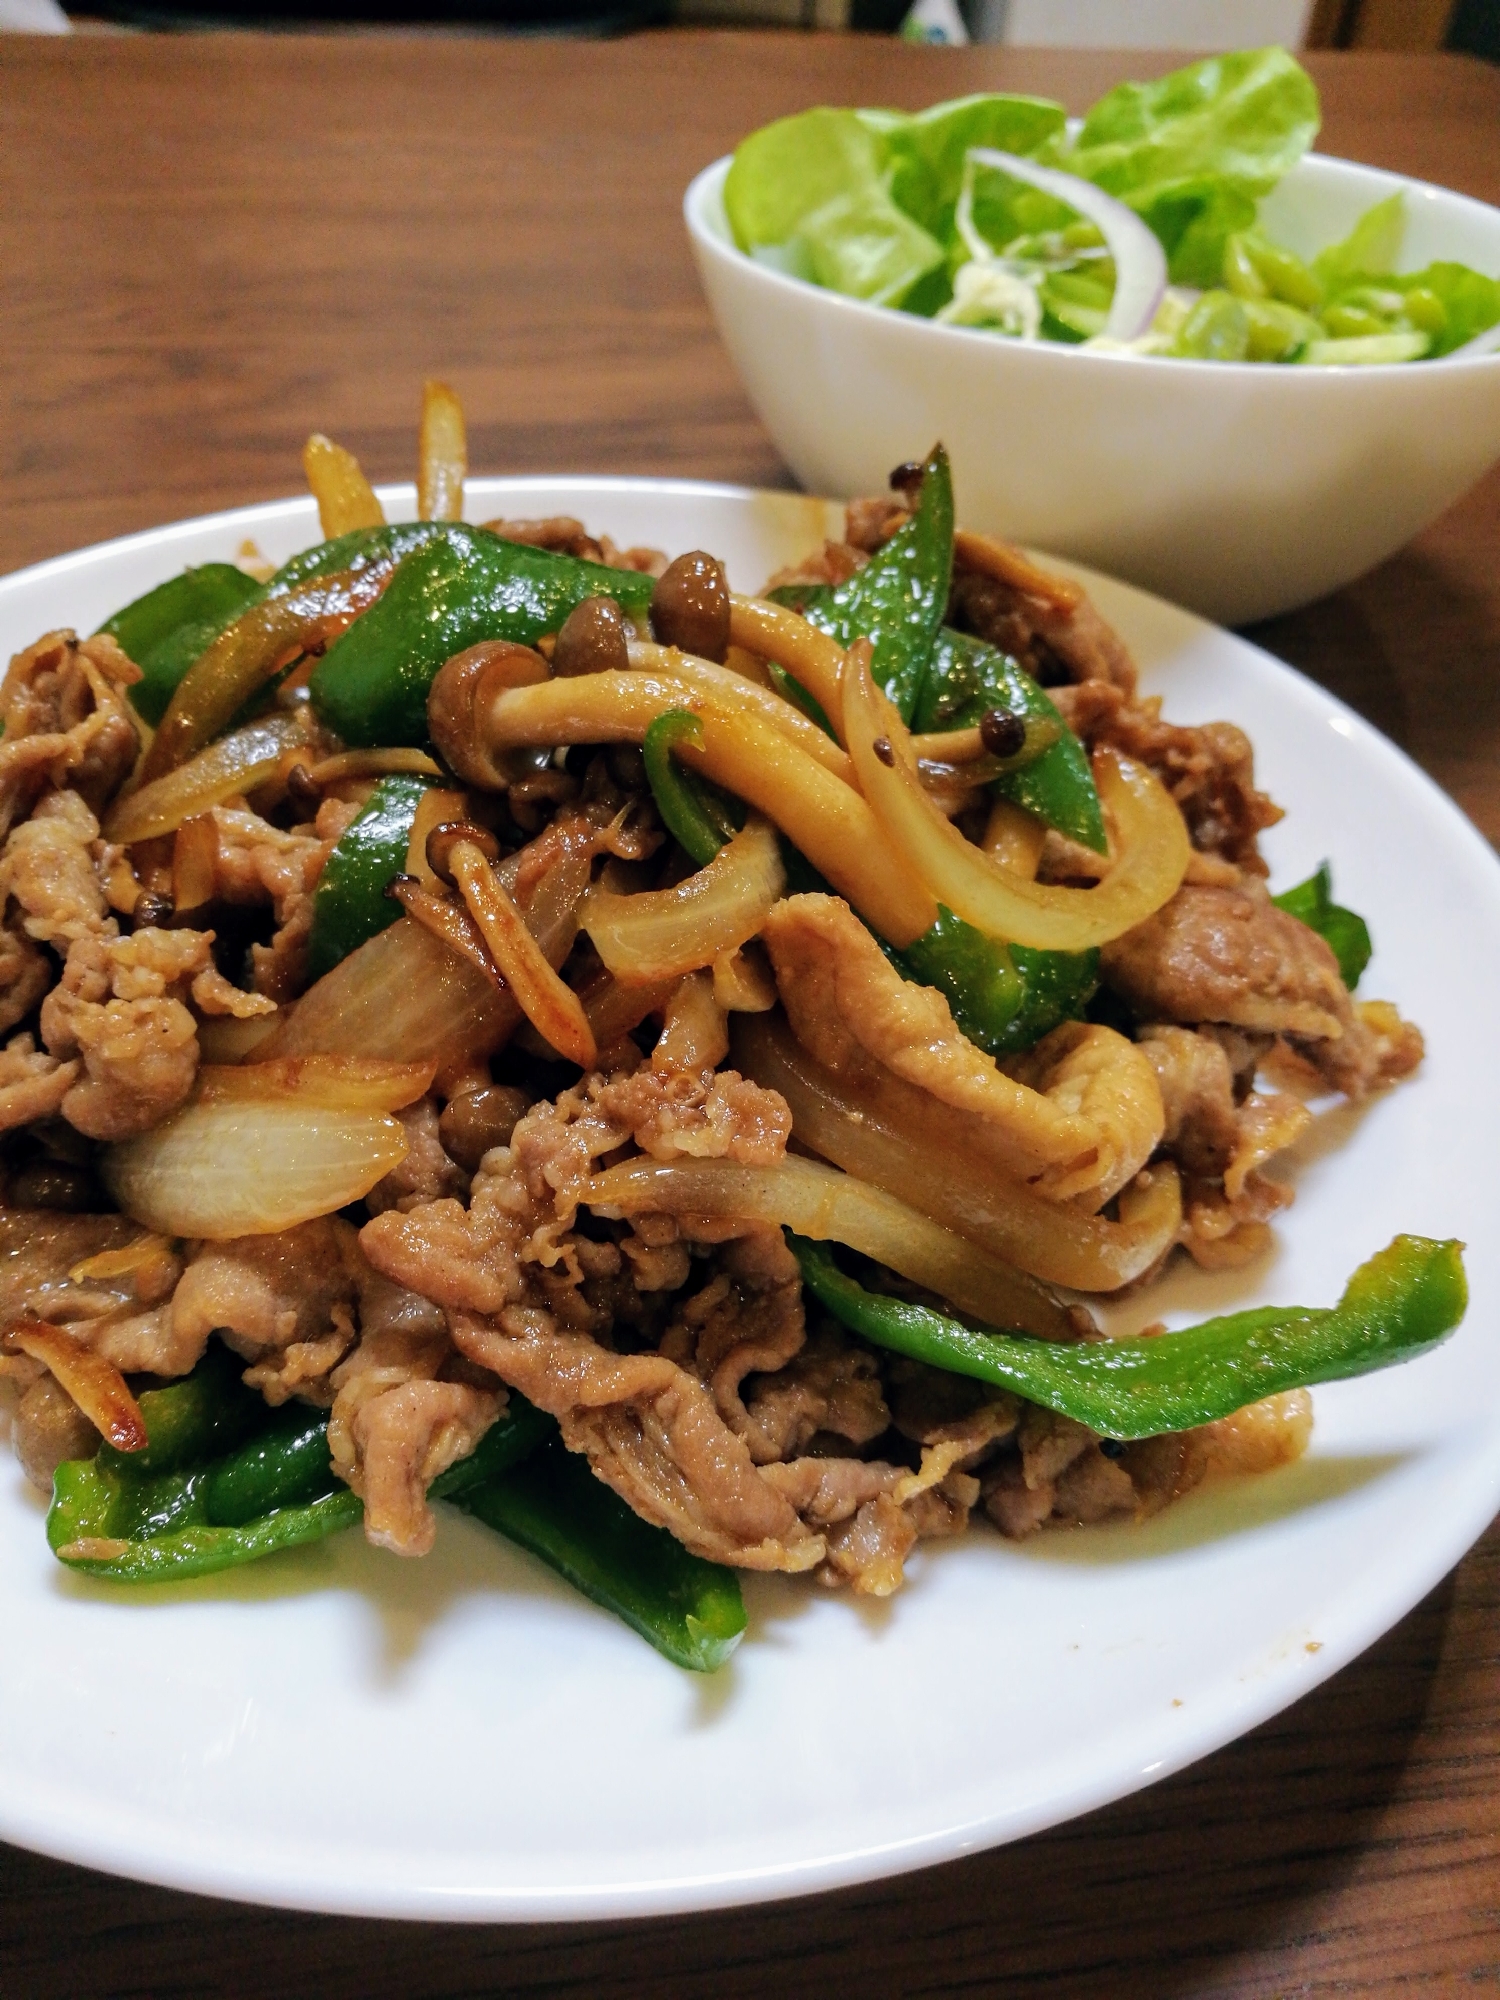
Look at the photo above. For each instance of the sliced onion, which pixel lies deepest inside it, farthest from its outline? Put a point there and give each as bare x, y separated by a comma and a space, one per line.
247, 1167
406, 997
349, 1083
664, 932
824, 818
613, 1008
1152, 856
818, 1201
96, 1385
225, 1039
1140, 261
235, 764
402, 994
443, 456
345, 498
247, 653
900, 1138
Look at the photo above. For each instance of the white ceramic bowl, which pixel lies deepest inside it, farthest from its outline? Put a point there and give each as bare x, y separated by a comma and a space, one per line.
1240, 490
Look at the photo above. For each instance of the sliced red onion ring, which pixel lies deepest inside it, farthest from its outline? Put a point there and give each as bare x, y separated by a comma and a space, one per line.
1140, 262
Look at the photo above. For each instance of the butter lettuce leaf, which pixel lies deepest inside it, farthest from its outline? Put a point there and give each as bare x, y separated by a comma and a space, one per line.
1193, 152
1369, 250
923, 153
809, 195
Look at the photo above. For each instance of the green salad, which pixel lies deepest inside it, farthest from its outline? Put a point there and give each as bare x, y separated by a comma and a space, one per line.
1135, 231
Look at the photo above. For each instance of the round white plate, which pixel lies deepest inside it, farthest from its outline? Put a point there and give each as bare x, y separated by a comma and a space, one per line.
462, 1737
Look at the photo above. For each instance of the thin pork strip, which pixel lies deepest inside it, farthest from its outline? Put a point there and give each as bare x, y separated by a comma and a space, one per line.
1081, 1115
651, 1432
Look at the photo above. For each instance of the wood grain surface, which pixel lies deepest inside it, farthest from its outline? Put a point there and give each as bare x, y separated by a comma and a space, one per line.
211, 246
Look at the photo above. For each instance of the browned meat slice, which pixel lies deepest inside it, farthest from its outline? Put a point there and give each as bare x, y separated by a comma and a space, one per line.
831, 1389
747, 1319
1043, 620
1221, 1132
650, 1431
1078, 1117
104, 1278
403, 1439
48, 870
1229, 955
25, 975
121, 1006
1063, 1474
1214, 1132
38, 1250
1209, 770
50, 1427
66, 723
459, 1258
263, 1293
427, 1173
251, 861
32, 1084
1376, 1047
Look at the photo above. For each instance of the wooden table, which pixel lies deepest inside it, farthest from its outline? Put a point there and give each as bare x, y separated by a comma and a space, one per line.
212, 246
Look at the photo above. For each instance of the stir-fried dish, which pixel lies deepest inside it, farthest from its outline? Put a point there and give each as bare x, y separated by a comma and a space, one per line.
498, 1018
1135, 231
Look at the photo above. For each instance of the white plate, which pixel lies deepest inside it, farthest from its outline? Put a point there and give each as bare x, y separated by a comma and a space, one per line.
462, 1737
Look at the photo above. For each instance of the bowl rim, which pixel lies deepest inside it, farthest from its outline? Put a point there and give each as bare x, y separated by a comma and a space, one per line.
707, 185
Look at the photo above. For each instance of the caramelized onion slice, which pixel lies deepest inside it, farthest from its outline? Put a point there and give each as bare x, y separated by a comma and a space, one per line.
899, 1138
247, 653
1152, 848
820, 1202
237, 763
96, 1385
345, 498
663, 932
350, 1083
227, 1166
442, 455
823, 817
408, 997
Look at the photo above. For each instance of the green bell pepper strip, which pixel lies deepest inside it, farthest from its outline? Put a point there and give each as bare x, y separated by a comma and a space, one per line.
192, 1420
458, 588
689, 1609
1003, 997
273, 1491
348, 554
696, 815
898, 599
1311, 902
967, 679
166, 630
350, 904
1405, 1300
